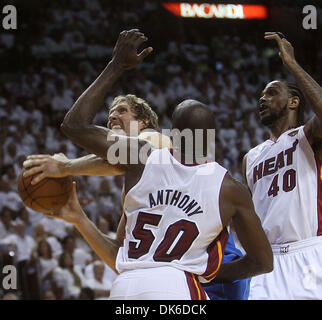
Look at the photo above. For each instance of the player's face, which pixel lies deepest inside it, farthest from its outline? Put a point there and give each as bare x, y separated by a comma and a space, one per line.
120, 117
273, 103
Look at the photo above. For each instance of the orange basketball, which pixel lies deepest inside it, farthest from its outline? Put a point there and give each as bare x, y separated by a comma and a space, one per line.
49, 195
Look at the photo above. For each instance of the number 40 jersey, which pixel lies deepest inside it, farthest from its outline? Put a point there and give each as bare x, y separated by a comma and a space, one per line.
284, 178
173, 219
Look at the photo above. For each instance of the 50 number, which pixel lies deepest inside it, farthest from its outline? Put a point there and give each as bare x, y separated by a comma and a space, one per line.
176, 242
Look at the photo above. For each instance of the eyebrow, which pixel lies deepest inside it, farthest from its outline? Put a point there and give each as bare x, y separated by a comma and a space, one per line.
117, 107
269, 88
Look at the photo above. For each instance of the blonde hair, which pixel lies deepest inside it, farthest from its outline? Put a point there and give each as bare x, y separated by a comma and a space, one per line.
141, 109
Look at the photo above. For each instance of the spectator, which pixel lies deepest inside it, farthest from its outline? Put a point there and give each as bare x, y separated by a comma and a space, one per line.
6, 227
42, 255
62, 100
39, 234
100, 284
23, 245
67, 277
80, 256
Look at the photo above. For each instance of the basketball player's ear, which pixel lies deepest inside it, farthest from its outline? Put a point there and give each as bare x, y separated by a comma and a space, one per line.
293, 102
143, 124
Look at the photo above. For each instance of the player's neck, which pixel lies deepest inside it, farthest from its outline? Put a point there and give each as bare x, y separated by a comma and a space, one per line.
279, 127
188, 159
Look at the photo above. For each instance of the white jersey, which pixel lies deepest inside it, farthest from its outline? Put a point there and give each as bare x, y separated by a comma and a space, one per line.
173, 219
285, 182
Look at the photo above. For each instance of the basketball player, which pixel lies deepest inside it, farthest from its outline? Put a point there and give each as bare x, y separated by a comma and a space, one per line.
284, 176
176, 219
172, 248
122, 111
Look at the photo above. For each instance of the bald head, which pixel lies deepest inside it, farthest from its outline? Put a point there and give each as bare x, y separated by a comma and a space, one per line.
192, 114
193, 125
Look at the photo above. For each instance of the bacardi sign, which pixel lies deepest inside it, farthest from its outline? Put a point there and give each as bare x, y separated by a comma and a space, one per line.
219, 11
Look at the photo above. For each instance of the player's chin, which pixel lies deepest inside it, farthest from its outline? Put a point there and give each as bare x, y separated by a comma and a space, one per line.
119, 132
267, 120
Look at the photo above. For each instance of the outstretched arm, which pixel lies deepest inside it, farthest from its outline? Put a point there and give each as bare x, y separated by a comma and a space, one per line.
105, 247
42, 166
240, 211
77, 124
310, 88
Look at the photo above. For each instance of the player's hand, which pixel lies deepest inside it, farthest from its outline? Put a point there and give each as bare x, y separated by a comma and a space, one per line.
286, 50
125, 53
72, 211
45, 166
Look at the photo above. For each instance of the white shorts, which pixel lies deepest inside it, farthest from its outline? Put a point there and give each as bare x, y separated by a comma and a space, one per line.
160, 283
297, 273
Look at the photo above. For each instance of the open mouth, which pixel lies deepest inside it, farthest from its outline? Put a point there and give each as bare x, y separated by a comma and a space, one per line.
262, 107
115, 126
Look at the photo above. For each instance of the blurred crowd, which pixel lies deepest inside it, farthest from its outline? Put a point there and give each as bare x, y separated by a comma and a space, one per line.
60, 48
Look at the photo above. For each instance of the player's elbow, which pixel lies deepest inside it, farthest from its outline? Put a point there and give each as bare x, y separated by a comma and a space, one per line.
267, 267
69, 130
64, 128
266, 263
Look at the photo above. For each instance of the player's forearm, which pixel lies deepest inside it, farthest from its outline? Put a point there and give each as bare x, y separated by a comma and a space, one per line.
88, 104
90, 165
77, 124
240, 269
310, 88
105, 247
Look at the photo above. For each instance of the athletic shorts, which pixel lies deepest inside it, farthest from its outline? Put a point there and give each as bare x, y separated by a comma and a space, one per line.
297, 273
160, 283
235, 290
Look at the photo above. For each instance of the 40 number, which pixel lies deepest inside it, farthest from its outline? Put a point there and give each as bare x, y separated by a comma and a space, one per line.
289, 183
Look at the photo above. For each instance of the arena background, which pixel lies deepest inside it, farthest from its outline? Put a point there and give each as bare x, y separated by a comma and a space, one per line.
59, 48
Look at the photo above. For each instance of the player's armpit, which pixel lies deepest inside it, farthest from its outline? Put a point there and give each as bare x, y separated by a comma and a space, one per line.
89, 137
117, 150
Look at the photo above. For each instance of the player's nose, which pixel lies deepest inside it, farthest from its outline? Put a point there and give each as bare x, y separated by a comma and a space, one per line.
112, 116
262, 99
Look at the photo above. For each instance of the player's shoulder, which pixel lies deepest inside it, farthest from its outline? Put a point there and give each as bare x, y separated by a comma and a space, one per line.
258, 147
231, 185
256, 152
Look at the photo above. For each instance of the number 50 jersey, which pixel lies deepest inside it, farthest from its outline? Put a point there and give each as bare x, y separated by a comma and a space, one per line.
284, 178
173, 218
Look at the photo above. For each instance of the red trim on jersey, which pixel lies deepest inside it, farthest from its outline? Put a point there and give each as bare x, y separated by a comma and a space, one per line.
319, 198
196, 290
215, 252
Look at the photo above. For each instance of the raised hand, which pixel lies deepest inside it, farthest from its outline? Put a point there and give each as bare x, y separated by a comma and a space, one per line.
45, 166
286, 49
125, 52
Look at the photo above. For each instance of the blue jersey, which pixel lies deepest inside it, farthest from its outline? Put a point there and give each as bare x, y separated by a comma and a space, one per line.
236, 290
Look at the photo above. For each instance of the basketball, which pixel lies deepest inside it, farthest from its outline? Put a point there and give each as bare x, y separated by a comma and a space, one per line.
49, 195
